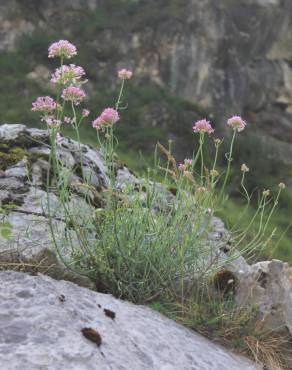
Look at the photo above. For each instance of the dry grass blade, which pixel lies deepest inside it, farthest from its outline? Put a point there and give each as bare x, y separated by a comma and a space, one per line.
172, 173
268, 351
170, 157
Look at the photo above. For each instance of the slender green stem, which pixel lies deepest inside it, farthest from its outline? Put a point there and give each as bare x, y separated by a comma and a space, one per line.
168, 161
260, 232
120, 95
273, 209
202, 135
214, 166
75, 125
229, 159
195, 160
244, 233
60, 85
248, 198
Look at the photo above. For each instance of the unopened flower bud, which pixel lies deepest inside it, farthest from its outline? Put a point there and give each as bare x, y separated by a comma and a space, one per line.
244, 168
266, 192
214, 173
85, 113
217, 142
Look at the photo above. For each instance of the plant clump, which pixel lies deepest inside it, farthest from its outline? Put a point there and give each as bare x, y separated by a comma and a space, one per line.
146, 243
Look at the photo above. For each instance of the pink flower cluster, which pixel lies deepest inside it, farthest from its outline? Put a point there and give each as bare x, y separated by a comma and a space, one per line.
85, 113
68, 120
237, 123
186, 165
62, 49
44, 104
125, 74
107, 118
203, 126
68, 74
74, 94
52, 122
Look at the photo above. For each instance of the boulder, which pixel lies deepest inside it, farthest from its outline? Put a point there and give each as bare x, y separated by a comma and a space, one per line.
267, 285
57, 325
24, 154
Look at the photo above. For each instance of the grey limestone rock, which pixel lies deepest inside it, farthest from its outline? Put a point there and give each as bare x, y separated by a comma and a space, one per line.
23, 186
268, 285
41, 320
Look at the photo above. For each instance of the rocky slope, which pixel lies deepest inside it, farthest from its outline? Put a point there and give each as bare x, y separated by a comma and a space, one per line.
232, 56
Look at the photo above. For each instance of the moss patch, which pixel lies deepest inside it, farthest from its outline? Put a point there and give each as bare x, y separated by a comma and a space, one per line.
11, 156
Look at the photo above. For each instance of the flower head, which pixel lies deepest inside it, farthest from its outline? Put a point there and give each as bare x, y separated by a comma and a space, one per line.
52, 122
124, 74
203, 126
237, 123
85, 113
63, 49
74, 94
44, 104
68, 120
70, 74
244, 168
217, 142
107, 118
282, 186
266, 192
187, 163
97, 123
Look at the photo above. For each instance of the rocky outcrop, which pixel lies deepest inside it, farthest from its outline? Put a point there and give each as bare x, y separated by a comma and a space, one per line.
268, 286
30, 248
24, 155
24, 166
56, 325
